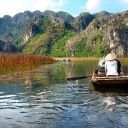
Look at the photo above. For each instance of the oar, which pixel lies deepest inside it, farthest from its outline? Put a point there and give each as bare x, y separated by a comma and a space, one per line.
77, 78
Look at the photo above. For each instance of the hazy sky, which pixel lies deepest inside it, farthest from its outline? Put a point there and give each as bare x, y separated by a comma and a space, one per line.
73, 7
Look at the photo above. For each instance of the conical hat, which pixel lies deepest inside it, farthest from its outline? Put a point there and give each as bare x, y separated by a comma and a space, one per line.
110, 56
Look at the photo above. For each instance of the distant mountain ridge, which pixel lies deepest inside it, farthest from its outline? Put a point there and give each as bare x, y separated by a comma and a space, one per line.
59, 34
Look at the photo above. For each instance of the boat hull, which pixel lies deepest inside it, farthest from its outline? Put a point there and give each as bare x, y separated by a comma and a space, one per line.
110, 81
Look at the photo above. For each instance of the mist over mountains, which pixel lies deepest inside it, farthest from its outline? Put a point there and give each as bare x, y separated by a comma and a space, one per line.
59, 34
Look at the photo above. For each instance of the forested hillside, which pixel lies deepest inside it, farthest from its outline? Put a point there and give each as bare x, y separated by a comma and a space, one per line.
59, 34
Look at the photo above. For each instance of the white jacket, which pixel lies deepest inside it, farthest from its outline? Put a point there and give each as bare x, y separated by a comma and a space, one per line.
111, 68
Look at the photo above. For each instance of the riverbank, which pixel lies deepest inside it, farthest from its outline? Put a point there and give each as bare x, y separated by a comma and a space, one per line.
86, 59
76, 59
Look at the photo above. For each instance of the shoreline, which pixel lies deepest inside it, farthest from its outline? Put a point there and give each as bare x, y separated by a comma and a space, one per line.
86, 59
75, 59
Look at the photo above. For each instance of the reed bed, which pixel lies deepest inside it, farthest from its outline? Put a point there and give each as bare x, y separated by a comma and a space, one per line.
18, 62
123, 59
77, 59
87, 59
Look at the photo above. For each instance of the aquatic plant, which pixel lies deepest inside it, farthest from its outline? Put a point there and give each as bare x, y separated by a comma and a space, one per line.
18, 61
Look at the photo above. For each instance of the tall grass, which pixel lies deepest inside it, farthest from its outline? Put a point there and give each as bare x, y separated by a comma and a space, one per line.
18, 62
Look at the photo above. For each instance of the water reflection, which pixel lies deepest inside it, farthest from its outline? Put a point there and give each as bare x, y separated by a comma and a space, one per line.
44, 98
109, 103
81, 68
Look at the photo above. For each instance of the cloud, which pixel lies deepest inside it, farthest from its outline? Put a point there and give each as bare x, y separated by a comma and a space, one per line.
12, 7
43, 5
125, 1
93, 5
9, 7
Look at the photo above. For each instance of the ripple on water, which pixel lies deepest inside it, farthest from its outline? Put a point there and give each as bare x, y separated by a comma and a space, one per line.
64, 105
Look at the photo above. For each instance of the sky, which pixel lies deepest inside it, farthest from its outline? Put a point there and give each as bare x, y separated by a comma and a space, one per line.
73, 7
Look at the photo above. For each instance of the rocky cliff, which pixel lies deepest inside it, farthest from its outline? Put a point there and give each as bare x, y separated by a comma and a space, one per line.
106, 33
59, 34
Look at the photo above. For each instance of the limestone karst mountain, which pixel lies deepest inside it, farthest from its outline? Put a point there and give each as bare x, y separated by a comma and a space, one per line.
59, 34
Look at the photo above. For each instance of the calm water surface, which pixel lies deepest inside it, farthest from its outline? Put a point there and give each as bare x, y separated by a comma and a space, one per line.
46, 100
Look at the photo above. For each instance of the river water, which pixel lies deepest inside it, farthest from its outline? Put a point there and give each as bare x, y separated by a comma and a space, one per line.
45, 99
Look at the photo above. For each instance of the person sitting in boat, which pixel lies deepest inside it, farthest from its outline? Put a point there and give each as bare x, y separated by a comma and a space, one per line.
111, 65
101, 66
119, 67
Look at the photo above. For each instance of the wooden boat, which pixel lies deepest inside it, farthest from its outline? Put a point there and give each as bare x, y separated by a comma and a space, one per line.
105, 81
110, 81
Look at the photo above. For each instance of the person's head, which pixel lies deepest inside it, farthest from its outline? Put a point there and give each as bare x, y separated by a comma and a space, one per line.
101, 62
110, 56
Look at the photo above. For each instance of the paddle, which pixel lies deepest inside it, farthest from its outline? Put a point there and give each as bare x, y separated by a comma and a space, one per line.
77, 78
